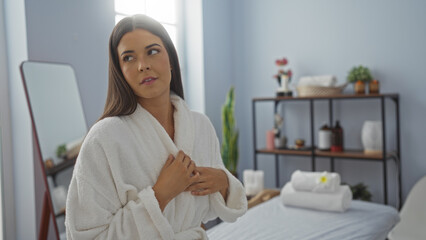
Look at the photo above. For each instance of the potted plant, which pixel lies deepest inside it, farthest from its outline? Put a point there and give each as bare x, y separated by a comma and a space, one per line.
360, 192
359, 75
229, 149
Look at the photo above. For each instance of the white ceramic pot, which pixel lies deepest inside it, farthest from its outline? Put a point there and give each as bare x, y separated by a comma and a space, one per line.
371, 136
284, 82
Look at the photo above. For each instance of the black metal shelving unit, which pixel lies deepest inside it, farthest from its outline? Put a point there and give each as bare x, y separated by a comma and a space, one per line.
347, 154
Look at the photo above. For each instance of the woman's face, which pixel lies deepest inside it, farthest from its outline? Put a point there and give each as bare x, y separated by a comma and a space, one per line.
145, 64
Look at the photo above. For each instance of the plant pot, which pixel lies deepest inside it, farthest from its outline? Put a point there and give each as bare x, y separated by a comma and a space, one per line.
359, 87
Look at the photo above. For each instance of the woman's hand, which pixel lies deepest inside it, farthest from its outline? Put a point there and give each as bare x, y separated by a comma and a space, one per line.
211, 180
175, 176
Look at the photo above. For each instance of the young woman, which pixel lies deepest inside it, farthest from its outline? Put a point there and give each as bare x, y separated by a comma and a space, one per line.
149, 168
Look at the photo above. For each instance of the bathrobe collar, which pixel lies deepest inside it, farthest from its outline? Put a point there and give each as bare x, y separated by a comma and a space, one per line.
184, 134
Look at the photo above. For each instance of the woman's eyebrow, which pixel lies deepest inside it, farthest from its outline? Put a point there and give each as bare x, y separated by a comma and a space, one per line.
128, 51
149, 46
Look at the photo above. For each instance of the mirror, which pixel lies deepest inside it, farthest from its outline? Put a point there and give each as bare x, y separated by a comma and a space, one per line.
59, 127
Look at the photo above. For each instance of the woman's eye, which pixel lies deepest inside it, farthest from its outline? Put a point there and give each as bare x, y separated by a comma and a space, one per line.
127, 58
153, 51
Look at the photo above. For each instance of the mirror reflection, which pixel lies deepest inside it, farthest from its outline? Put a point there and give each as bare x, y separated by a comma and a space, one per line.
60, 126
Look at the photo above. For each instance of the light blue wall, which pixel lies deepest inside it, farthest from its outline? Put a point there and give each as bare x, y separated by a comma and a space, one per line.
77, 33
218, 57
321, 37
6, 149
21, 157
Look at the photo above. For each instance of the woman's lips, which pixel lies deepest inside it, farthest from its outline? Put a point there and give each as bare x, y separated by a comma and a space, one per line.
148, 81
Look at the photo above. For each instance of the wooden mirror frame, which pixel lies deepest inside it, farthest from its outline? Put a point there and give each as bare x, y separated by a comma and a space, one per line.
44, 206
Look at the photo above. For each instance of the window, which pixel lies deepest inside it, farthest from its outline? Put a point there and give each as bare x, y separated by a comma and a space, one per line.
164, 11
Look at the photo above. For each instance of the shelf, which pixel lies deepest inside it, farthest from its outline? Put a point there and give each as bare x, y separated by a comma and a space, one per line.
338, 96
356, 154
60, 213
61, 166
348, 153
286, 152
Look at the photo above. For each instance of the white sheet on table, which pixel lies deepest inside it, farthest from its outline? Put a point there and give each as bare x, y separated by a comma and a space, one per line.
273, 220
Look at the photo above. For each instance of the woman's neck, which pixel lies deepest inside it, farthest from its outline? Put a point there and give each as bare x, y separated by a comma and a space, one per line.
162, 109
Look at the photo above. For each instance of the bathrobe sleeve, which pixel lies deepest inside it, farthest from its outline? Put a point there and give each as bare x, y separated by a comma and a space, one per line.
96, 211
236, 202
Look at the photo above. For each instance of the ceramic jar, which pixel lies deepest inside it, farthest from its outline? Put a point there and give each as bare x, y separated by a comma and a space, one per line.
371, 136
324, 138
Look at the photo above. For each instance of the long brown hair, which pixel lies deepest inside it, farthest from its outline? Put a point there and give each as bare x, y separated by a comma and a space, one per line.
120, 97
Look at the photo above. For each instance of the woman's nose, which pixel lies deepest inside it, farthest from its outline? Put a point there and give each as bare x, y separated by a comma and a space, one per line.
143, 65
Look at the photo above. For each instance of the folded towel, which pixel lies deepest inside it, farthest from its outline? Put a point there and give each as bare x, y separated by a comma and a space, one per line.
339, 201
325, 81
315, 181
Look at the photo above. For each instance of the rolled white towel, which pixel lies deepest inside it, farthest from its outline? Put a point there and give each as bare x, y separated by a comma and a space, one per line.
325, 182
339, 201
325, 81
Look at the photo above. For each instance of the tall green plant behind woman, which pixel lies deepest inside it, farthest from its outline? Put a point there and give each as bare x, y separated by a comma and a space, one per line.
229, 134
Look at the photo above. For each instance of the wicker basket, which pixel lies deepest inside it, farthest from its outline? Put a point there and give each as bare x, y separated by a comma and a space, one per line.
305, 91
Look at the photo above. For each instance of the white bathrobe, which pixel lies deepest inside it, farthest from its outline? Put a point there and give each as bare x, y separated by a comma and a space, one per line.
111, 196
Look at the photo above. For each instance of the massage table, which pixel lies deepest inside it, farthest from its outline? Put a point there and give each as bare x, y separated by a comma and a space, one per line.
268, 218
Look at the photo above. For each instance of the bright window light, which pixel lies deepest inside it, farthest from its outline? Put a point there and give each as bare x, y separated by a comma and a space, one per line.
118, 17
130, 7
164, 11
171, 30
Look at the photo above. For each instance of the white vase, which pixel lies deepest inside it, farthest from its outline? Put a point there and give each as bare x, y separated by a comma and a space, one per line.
284, 83
371, 136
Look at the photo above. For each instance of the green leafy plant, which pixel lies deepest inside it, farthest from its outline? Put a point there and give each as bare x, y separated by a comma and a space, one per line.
360, 192
61, 150
359, 73
229, 149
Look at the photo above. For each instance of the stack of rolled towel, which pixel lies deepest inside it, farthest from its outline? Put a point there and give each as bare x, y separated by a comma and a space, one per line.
317, 190
324, 81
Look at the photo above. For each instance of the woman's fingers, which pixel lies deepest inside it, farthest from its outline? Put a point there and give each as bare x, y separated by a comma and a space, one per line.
211, 180
191, 168
186, 161
197, 186
194, 179
180, 156
202, 192
169, 160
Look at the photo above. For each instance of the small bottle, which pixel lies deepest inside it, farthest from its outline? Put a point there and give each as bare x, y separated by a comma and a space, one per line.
337, 138
324, 138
